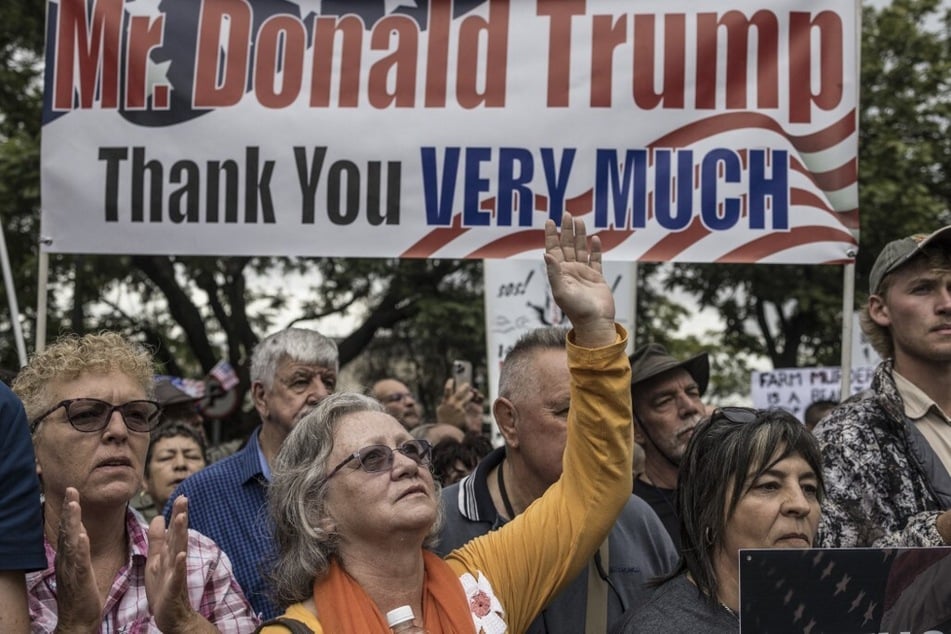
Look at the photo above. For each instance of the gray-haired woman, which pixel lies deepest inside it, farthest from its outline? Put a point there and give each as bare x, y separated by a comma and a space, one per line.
354, 503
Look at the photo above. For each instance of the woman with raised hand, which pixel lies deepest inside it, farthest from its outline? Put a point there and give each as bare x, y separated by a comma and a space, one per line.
354, 503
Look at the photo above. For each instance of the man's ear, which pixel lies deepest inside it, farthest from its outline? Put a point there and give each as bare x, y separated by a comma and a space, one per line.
639, 436
506, 417
259, 397
878, 311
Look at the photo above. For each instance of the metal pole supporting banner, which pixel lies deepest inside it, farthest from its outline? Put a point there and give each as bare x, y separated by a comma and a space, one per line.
848, 305
12, 299
42, 283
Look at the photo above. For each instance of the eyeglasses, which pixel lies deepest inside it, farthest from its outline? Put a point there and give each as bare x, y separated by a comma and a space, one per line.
742, 415
396, 396
375, 458
92, 414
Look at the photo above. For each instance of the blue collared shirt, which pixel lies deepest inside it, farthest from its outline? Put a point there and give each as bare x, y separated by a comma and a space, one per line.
227, 501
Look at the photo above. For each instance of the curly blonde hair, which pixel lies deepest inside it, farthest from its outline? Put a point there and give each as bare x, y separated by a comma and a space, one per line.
72, 356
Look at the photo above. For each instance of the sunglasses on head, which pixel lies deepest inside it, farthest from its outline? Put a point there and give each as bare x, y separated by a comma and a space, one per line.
92, 414
376, 458
734, 414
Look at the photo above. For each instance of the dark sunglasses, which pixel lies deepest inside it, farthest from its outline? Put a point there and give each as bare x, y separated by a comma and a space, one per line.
92, 414
375, 458
734, 415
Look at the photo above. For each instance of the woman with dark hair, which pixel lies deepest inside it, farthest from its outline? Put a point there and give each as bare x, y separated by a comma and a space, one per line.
176, 451
748, 479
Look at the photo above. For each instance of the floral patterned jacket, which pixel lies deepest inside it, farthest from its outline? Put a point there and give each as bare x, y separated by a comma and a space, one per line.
884, 485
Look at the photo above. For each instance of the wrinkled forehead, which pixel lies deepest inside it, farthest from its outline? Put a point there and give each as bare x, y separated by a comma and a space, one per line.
384, 388
672, 381
359, 429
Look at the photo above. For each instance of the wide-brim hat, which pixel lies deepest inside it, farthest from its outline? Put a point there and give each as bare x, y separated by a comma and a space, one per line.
168, 395
897, 253
653, 360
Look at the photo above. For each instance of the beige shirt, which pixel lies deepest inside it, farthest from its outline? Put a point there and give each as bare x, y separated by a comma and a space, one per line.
933, 423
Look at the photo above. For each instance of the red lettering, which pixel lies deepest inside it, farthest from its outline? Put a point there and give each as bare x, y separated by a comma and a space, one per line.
496, 28
325, 33
437, 55
830, 65
607, 33
401, 63
212, 90
737, 29
144, 35
279, 54
675, 33
560, 13
97, 50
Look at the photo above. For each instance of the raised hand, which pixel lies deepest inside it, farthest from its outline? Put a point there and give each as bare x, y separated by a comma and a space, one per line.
165, 575
78, 604
452, 409
577, 283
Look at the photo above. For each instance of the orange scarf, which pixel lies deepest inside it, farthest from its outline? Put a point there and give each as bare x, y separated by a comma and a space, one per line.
344, 608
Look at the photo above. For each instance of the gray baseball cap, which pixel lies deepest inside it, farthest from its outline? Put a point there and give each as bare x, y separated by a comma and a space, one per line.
897, 253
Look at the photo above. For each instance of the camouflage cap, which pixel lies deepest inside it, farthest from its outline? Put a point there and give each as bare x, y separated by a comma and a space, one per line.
897, 253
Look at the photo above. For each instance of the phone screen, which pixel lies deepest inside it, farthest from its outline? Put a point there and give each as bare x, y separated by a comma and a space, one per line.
461, 372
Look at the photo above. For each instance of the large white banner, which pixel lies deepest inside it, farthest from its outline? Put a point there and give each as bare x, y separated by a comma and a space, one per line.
681, 130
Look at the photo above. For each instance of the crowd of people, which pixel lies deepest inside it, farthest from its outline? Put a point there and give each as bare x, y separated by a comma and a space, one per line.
343, 506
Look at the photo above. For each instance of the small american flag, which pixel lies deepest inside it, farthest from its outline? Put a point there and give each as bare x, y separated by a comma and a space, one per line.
224, 374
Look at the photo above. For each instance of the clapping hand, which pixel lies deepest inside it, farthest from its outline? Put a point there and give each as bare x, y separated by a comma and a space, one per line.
165, 574
78, 604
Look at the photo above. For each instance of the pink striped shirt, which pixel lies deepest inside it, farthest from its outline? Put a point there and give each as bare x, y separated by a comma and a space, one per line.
212, 589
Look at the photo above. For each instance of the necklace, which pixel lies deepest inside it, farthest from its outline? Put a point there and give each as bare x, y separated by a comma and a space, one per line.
505, 497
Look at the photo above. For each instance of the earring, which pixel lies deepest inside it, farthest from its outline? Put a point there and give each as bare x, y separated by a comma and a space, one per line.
708, 536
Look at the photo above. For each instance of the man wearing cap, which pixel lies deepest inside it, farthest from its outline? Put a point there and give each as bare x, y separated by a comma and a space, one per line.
666, 395
887, 451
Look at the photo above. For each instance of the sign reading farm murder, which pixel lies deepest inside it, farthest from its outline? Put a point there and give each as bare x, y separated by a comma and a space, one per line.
794, 389
688, 130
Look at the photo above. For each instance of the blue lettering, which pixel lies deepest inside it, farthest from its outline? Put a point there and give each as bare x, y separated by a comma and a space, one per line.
630, 188
714, 217
663, 209
439, 200
472, 216
557, 180
511, 185
776, 188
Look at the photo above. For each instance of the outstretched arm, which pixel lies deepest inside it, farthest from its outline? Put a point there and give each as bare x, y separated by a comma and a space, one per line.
577, 282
